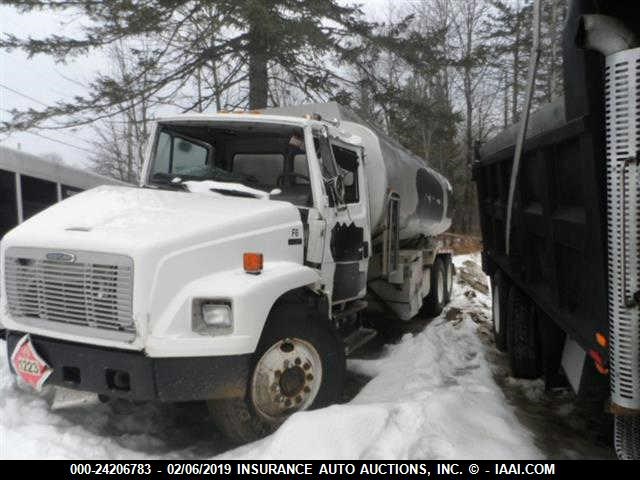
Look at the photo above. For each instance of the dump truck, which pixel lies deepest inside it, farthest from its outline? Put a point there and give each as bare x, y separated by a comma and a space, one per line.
561, 227
240, 272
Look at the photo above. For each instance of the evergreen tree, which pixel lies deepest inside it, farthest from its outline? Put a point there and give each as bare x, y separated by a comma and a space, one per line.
252, 37
510, 25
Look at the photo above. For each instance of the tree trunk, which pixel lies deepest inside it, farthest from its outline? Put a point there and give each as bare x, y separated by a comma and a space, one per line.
505, 112
516, 67
553, 27
258, 70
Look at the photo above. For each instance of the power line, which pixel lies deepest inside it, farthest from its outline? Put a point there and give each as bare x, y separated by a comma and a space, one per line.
60, 142
23, 95
52, 139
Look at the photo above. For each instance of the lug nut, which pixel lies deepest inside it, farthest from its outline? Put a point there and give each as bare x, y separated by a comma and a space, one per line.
287, 403
298, 361
309, 376
306, 366
298, 399
307, 389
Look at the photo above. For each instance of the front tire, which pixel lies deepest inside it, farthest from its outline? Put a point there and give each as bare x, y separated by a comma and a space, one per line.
299, 365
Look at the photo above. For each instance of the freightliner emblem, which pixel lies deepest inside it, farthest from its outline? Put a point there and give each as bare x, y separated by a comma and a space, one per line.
61, 257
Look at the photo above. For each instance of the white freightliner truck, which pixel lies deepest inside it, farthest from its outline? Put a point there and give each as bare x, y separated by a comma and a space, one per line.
238, 273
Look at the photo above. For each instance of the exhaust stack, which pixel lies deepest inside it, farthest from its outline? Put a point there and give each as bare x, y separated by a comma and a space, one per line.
618, 44
604, 34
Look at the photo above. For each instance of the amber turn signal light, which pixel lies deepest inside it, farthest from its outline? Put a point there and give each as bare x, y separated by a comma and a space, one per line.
602, 340
252, 262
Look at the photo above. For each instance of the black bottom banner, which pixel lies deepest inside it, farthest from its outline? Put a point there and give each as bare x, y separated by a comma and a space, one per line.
155, 469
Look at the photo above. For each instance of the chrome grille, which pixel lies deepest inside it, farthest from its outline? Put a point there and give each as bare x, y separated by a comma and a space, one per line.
91, 295
622, 101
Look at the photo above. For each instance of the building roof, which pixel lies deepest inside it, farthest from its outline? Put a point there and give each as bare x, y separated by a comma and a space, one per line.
34, 166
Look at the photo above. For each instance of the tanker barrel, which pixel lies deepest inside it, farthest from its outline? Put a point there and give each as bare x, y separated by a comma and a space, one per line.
391, 170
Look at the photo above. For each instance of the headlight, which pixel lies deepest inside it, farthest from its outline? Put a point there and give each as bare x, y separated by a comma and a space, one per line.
212, 317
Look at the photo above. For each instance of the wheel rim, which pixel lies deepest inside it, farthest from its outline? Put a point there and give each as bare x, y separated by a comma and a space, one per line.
496, 308
440, 287
450, 278
286, 379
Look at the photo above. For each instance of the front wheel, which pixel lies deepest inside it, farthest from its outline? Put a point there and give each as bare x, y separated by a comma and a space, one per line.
299, 365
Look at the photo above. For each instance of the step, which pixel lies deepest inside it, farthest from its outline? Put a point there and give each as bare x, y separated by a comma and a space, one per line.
353, 308
358, 338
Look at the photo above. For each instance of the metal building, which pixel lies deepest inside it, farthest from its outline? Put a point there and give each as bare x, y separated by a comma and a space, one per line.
29, 184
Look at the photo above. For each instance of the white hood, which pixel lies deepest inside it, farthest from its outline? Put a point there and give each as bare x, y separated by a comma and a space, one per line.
129, 220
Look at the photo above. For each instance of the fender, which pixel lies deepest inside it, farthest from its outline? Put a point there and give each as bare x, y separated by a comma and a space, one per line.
251, 298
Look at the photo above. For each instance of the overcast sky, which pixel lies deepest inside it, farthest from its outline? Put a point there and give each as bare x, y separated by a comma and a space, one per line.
39, 81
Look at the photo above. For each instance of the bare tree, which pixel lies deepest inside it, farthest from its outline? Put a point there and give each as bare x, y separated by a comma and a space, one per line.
121, 139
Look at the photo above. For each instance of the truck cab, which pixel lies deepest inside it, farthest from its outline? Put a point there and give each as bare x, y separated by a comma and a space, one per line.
235, 273
306, 163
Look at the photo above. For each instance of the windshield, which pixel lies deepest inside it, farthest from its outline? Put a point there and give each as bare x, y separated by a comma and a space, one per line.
260, 156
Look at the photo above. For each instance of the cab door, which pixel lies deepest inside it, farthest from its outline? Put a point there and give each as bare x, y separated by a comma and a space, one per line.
347, 235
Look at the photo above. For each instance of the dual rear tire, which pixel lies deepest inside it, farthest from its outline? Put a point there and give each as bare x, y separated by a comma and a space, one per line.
514, 322
499, 295
441, 287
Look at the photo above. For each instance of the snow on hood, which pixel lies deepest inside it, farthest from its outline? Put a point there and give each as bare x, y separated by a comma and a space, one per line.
210, 187
132, 217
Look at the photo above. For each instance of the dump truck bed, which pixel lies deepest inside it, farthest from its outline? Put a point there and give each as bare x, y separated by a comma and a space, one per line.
558, 250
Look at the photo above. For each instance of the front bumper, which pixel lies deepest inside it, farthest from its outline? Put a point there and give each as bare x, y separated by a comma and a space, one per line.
134, 376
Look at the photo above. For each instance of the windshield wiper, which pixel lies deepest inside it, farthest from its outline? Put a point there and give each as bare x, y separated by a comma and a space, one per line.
234, 193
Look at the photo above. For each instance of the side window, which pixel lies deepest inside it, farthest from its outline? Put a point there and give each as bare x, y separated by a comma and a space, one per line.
178, 155
327, 162
265, 168
163, 153
347, 161
188, 156
301, 166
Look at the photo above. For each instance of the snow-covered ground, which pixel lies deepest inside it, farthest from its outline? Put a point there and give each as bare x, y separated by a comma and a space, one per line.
440, 390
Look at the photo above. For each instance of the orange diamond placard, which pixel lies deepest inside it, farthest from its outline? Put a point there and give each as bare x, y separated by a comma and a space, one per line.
28, 364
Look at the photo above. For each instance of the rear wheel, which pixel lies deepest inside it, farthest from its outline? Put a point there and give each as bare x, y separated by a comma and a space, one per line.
522, 339
448, 278
299, 365
499, 294
627, 437
435, 301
